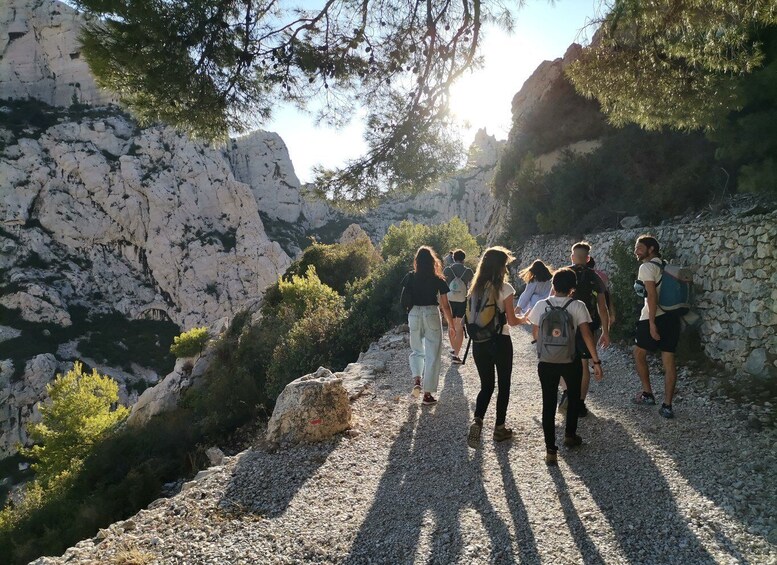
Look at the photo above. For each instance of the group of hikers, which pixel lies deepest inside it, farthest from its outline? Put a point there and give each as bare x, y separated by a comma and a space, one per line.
569, 312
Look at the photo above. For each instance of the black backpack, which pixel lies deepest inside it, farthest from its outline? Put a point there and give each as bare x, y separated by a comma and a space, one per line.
587, 291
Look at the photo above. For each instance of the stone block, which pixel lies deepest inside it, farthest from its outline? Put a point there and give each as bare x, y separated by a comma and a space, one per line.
310, 408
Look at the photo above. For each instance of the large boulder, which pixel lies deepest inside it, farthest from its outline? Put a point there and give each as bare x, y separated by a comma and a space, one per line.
311, 408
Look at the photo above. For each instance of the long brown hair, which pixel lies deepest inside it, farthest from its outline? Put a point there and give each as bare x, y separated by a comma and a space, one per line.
538, 271
492, 269
427, 263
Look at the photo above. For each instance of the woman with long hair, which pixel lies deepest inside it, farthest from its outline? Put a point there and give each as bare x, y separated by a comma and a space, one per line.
538, 286
429, 292
494, 358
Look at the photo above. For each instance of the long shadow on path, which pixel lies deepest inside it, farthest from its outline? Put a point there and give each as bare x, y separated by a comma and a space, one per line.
431, 479
634, 496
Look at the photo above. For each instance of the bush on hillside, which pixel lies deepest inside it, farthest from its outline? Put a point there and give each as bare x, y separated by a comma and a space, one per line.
190, 343
652, 175
337, 264
307, 346
403, 240
80, 414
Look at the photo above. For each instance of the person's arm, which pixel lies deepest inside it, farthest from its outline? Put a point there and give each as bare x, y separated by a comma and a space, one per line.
512, 319
604, 316
525, 298
652, 303
447, 312
611, 311
588, 338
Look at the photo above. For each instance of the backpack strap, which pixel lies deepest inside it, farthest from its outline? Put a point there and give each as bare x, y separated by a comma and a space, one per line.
564, 307
661, 265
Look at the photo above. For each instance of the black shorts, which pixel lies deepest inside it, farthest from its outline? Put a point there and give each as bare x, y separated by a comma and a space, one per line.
668, 326
580, 346
458, 309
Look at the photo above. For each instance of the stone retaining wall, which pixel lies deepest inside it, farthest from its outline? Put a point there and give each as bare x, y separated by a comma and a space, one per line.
734, 260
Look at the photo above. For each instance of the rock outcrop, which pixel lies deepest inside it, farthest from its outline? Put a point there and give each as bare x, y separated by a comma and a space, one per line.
41, 56
311, 408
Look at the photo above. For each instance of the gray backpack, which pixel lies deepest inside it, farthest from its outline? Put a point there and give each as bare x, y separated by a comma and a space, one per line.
556, 337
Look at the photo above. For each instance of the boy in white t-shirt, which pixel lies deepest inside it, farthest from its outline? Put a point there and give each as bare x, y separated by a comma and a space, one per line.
564, 281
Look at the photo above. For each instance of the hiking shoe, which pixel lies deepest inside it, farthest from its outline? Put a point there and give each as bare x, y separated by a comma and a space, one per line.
501, 433
428, 399
666, 411
551, 457
583, 410
473, 437
564, 402
645, 398
573, 441
417, 387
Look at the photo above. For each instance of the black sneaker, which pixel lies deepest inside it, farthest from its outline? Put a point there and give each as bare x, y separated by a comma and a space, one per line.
583, 411
666, 411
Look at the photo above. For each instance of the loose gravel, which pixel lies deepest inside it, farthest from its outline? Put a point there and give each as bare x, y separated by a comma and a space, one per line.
403, 487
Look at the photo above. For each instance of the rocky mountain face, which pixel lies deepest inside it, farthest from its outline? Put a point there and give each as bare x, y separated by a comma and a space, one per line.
41, 56
549, 117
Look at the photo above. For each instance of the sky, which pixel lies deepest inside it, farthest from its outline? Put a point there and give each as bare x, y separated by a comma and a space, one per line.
543, 31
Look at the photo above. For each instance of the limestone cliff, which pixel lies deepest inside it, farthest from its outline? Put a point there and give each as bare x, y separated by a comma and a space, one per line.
40, 56
104, 224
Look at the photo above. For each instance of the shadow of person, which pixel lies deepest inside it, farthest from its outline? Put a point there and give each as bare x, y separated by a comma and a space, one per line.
527, 545
713, 455
577, 530
634, 497
254, 489
431, 480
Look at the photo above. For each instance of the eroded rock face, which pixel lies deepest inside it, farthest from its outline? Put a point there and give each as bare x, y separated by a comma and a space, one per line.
19, 398
159, 222
310, 408
41, 56
466, 196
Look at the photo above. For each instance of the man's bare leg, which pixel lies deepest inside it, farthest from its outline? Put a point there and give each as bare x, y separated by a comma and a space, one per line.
670, 376
640, 360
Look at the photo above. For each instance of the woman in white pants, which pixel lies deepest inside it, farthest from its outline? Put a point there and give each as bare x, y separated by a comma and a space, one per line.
429, 292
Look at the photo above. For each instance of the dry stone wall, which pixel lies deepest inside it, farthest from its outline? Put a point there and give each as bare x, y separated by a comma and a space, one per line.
734, 260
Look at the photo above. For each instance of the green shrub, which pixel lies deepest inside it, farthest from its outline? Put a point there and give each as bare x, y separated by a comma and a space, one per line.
307, 346
338, 264
122, 473
190, 343
79, 415
403, 240
303, 294
627, 303
650, 174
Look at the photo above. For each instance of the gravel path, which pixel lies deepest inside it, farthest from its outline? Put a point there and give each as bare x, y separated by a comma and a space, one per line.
402, 486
